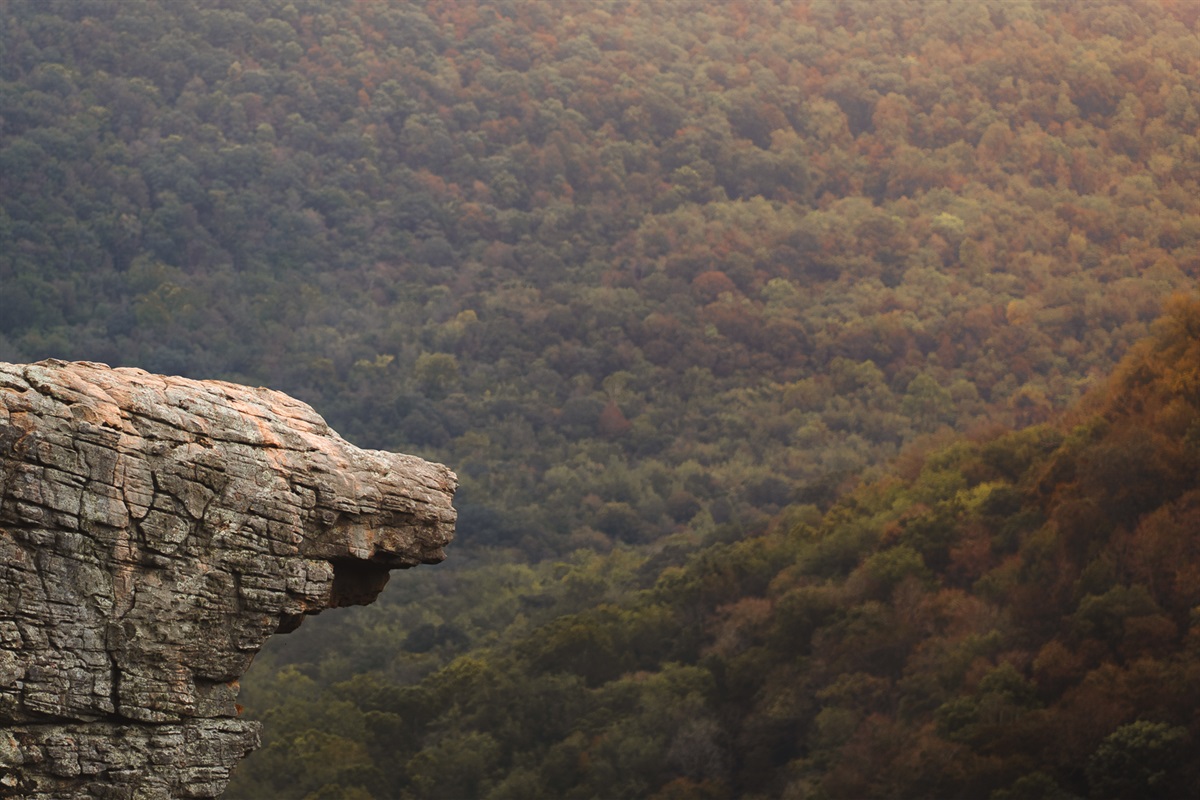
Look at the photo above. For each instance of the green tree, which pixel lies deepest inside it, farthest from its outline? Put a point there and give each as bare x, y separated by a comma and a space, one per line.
1141, 759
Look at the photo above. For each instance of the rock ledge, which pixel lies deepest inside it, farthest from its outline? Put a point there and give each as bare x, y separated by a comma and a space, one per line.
154, 532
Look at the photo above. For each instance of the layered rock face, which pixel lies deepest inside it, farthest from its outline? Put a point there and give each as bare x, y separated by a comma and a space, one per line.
154, 532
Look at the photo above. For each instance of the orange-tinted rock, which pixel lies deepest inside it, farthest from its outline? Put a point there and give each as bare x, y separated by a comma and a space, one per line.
154, 532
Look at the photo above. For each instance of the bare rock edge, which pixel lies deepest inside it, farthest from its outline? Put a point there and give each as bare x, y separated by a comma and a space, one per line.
154, 532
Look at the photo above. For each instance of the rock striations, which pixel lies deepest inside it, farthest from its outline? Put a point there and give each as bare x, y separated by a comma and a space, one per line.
154, 531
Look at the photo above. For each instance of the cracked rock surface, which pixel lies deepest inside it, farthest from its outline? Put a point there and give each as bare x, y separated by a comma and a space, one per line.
154, 532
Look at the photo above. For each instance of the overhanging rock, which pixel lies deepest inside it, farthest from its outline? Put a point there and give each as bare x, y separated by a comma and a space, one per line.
154, 532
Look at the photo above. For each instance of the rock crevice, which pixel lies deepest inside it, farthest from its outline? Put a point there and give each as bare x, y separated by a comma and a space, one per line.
154, 532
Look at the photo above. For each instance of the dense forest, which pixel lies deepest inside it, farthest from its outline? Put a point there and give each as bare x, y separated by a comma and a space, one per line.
719, 310
1009, 616
626, 266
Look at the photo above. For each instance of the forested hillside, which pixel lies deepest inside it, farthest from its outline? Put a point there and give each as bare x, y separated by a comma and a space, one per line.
1010, 616
626, 266
665, 281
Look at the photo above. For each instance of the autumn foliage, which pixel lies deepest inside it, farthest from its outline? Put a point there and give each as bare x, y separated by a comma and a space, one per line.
699, 299
1015, 618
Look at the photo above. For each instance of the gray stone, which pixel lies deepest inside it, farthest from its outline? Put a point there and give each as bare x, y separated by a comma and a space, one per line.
154, 532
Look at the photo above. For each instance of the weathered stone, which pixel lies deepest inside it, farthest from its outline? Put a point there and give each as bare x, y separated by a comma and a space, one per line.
154, 532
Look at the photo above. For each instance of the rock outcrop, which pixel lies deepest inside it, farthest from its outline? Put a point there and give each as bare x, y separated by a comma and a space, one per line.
154, 532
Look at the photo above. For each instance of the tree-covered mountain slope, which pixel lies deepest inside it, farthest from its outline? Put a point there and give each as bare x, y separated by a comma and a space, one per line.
663, 281
1007, 616
627, 266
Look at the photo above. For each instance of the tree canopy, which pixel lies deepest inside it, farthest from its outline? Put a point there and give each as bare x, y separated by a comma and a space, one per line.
696, 298
1010, 615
